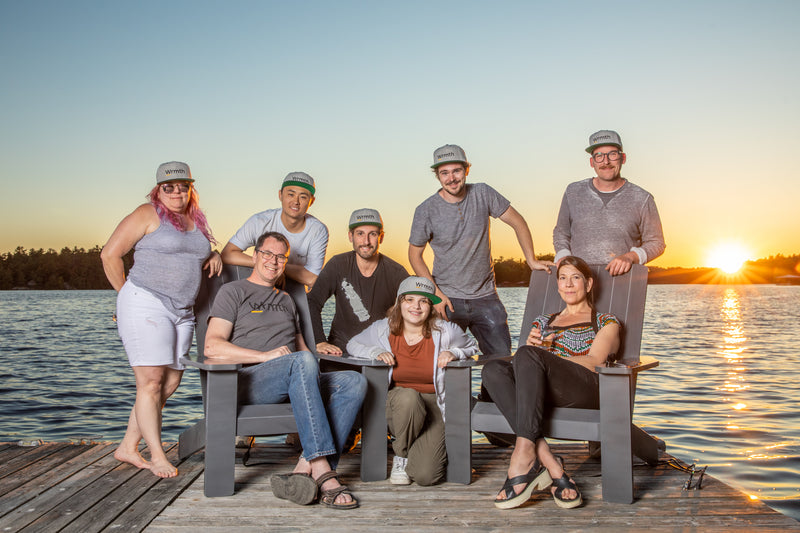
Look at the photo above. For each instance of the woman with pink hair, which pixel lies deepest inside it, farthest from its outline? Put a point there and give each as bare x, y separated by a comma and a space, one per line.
155, 319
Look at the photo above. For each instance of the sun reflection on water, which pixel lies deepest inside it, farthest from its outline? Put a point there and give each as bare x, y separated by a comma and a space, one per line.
733, 344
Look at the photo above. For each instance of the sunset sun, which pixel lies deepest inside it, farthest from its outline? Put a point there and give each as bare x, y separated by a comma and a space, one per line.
728, 257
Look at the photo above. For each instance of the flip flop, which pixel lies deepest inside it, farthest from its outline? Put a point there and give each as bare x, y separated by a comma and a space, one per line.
297, 488
537, 478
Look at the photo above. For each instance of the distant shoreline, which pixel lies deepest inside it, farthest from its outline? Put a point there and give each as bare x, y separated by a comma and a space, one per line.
81, 269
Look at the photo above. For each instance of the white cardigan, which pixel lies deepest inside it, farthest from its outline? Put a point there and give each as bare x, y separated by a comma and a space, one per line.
374, 340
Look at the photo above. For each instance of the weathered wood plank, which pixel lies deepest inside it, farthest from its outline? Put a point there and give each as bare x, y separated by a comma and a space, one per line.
9, 451
93, 492
661, 503
112, 473
146, 508
114, 502
32, 487
83, 469
30, 456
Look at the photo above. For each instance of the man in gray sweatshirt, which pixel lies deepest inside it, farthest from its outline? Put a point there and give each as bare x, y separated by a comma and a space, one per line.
607, 219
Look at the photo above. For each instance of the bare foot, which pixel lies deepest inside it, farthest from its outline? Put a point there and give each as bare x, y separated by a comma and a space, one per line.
342, 498
131, 457
163, 468
516, 468
567, 494
302, 467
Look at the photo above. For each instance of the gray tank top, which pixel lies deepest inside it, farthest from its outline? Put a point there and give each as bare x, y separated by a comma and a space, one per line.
168, 264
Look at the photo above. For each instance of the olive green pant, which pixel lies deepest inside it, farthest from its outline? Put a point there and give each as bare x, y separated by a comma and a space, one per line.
417, 425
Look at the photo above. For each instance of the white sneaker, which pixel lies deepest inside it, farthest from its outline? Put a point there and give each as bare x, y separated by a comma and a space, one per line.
399, 476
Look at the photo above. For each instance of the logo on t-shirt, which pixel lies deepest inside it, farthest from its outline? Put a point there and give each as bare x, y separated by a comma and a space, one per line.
264, 306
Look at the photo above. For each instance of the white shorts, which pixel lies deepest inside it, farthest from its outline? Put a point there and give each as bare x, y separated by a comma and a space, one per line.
152, 335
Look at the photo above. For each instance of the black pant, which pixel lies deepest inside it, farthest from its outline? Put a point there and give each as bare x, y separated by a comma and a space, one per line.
536, 379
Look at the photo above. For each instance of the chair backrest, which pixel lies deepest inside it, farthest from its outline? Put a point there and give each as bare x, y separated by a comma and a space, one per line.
623, 296
210, 286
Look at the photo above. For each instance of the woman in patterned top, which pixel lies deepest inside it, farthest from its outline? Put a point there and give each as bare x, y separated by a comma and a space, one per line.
554, 370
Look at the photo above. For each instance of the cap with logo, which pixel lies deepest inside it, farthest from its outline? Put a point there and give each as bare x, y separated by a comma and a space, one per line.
418, 285
449, 153
299, 179
174, 170
365, 217
602, 138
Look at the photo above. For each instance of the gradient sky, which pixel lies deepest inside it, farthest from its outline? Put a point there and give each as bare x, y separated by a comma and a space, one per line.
94, 95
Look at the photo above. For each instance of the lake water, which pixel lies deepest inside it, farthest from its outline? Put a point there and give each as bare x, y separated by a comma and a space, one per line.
725, 394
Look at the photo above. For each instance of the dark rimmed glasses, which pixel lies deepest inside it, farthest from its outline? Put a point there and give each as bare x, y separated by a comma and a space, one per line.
169, 187
266, 254
613, 155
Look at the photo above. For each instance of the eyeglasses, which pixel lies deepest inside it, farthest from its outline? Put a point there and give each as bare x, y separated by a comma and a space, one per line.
266, 254
169, 187
612, 156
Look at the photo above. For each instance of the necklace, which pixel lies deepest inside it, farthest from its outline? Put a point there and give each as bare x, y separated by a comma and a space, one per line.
412, 339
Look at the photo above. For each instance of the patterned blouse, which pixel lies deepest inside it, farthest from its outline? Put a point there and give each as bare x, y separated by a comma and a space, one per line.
576, 339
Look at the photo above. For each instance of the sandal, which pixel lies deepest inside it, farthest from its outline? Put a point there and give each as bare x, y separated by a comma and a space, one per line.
295, 487
537, 478
563, 483
328, 497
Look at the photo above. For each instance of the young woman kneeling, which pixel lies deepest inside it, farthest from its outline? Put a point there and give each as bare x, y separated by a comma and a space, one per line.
418, 345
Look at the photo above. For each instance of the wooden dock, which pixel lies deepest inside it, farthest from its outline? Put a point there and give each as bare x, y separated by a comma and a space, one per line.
82, 488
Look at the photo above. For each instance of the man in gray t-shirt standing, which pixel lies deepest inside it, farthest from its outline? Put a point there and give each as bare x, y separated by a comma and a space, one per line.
607, 219
455, 221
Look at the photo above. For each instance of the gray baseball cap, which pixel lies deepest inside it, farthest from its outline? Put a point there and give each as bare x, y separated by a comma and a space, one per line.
300, 179
602, 138
365, 217
418, 285
174, 170
449, 153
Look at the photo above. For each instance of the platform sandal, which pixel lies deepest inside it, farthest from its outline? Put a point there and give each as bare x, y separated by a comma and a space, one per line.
537, 478
564, 483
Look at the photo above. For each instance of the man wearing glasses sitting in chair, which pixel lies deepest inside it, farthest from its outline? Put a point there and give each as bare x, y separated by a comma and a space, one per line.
607, 219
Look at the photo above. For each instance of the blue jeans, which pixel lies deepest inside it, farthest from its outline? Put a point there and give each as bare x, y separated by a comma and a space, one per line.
325, 405
486, 318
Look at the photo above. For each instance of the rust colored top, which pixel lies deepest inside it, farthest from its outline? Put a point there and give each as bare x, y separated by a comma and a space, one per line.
414, 368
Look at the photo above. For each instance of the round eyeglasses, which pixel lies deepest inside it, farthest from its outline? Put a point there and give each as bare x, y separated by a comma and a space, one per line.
613, 155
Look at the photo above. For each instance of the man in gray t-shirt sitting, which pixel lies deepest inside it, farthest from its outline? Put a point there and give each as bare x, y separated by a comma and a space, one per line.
253, 323
608, 220
455, 221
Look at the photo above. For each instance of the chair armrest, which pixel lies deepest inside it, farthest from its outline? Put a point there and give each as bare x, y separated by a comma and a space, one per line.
208, 365
629, 367
462, 363
352, 361
482, 358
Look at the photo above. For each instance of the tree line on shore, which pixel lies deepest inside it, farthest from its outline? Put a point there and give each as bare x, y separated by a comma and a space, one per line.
74, 268
78, 268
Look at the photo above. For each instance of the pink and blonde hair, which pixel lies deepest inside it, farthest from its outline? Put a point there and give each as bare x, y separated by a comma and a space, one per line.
192, 211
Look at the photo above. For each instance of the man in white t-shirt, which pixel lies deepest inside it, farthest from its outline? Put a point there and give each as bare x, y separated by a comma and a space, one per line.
308, 237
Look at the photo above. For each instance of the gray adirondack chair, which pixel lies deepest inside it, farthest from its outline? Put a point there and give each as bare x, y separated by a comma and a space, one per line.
611, 425
224, 418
